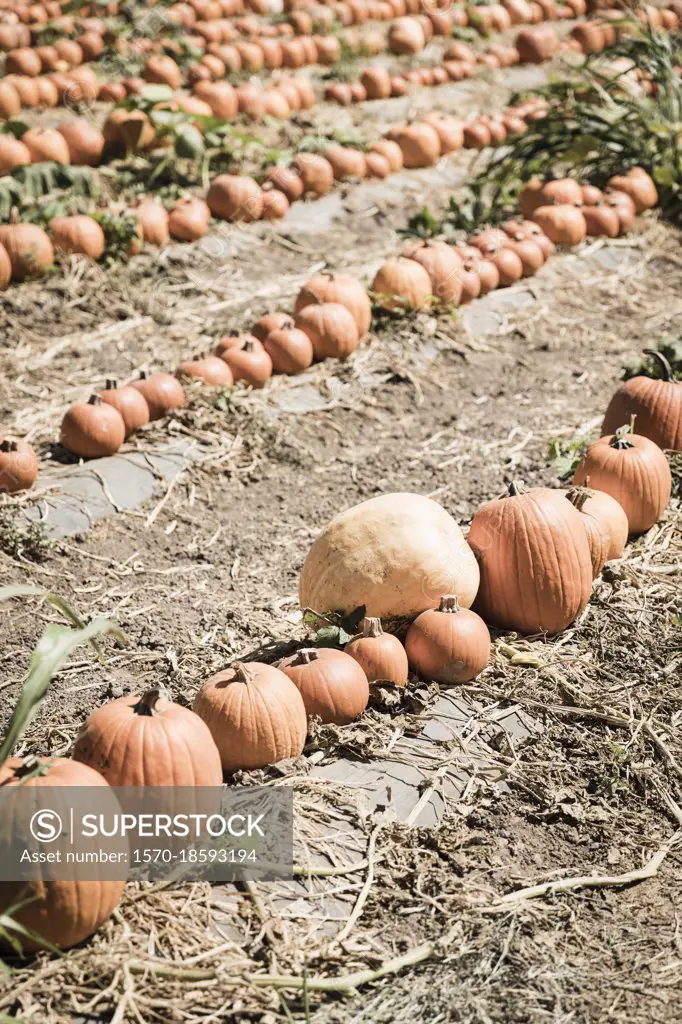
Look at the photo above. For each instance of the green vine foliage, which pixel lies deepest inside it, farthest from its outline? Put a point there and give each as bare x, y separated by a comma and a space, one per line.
599, 123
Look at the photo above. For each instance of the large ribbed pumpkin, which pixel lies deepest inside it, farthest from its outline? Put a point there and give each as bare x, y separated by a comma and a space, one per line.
634, 471
655, 404
63, 913
149, 740
536, 569
255, 714
394, 555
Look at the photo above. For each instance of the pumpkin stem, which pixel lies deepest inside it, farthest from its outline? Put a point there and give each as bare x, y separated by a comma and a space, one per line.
146, 704
664, 365
94, 400
578, 496
449, 603
305, 656
31, 766
248, 345
516, 487
143, 375
110, 385
371, 626
8, 445
241, 671
619, 439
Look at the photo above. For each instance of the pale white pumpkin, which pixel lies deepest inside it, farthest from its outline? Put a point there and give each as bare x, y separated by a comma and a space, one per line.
396, 555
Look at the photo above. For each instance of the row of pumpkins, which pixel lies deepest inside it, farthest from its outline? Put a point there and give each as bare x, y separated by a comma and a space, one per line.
527, 565
332, 314
46, 76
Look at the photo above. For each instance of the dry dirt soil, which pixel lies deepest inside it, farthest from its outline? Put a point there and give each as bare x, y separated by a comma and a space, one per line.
208, 570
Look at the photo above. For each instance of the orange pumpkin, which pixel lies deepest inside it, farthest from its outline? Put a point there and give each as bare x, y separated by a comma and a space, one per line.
605, 522
289, 348
381, 655
62, 913
331, 328
161, 392
149, 740
345, 289
92, 429
534, 558
563, 224
77, 234
402, 284
655, 404
442, 264
332, 684
236, 198
249, 362
255, 713
29, 249
634, 471
18, 465
448, 644
130, 403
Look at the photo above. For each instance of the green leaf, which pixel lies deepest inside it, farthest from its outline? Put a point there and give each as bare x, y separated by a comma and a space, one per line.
664, 175
51, 652
189, 143
15, 128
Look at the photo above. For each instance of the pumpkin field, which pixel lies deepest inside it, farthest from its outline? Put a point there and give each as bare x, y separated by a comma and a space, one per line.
341, 458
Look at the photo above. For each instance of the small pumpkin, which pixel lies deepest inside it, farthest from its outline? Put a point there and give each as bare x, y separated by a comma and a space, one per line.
46, 144
84, 143
221, 98
29, 249
377, 165
406, 36
534, 559
152, 218
332, 684
62, 913
129, 402
377, 83
393, 555
149, 740
509, 264
331, 328
287, 180
92, 429
391, 151
347, 163
235, 197
655, 404
450, 130
161, 391
531, 196
634, 471
448, 644
402, 284
442, 264
638, 185
255, 713
477, 135
77, 234
528, 251
343, 288
13, 153
380, 655
419, 144
210, 370
315, 172
10, 100
624, 206
189, 219
269, 322
18, 465
605, 523
562, 190
249, 362
289, 348
162, 70
601, 220
591, 195
275, 204
563, 224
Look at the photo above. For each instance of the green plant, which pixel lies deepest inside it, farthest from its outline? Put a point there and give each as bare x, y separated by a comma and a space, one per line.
52, 650
670, 346
599, 124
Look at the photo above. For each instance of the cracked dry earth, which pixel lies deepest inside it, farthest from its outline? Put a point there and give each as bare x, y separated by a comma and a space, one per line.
452, 407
